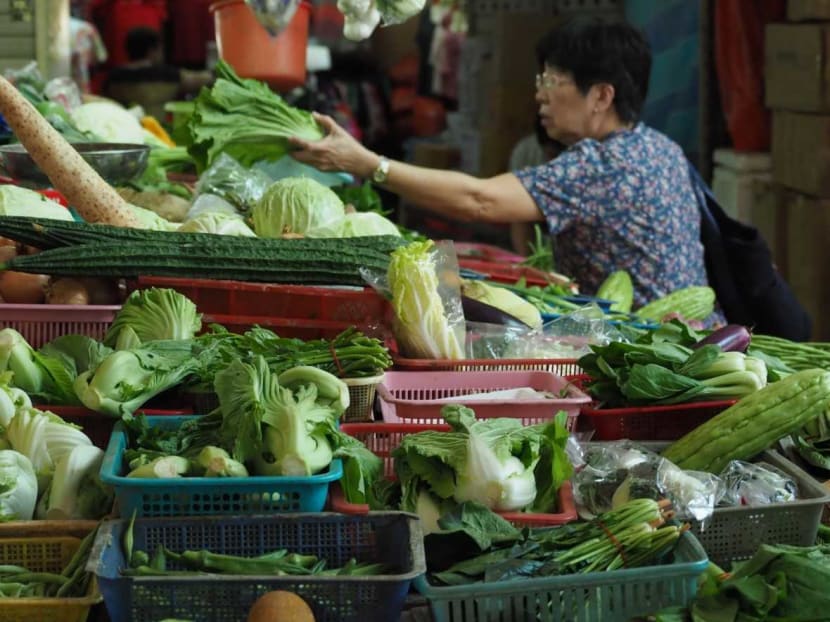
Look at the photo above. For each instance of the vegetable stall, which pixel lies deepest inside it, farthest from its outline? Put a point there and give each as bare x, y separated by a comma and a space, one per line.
265, 400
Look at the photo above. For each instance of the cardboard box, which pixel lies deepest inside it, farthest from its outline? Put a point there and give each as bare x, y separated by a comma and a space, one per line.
495, 146
801, 152
808, 232
802, 10
796, 68
768, 213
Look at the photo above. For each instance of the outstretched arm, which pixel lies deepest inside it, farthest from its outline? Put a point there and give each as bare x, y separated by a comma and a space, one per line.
452, 194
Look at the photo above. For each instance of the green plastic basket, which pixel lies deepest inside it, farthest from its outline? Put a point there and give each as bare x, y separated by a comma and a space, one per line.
615, 596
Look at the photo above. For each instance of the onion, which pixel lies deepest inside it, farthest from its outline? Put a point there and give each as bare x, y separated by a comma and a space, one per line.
67, 291
23, 288
101, 291
7, 242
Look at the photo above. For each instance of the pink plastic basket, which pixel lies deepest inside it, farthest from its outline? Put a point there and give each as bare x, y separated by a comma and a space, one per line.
560, 367
40, 324
417, 397
382, 438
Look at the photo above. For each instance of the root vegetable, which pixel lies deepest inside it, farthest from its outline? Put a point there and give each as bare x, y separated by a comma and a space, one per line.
67, 291
22, 288
95, 199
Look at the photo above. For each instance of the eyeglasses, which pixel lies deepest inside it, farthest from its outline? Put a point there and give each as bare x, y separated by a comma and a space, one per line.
547, 82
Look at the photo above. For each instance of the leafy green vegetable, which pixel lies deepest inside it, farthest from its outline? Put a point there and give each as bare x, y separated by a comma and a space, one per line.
298, 205
422, 327
498, 463
658, 370
217, 222
78, 352
76, 491
160, 162
778, 583
39, 375
246, 120
153, 314
126, 379
18, 486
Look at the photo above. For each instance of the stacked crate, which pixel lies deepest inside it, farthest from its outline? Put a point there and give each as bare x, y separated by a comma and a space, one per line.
797, 55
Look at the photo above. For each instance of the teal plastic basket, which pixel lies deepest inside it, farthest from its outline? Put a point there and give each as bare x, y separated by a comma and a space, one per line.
209, 496
391, 538
615, 596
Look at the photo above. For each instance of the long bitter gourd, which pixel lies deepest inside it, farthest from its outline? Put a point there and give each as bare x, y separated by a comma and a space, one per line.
754, 423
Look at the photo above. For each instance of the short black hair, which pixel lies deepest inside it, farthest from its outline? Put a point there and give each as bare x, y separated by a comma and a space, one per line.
141, 41
594, 50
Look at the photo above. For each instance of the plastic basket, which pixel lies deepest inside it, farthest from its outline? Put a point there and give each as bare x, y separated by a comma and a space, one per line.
350, 305
417, 397
382, 438
735, 533
44, 554
98, 426
361, 397
206, 496
392, 538
613, 596
505, 272
561, 367
654, 423
39, 324
486, 252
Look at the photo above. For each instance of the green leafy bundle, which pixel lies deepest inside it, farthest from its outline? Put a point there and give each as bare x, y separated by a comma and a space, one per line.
246, 120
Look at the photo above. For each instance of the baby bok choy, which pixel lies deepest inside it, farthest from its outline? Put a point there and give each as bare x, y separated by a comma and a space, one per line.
498, 463
669, 373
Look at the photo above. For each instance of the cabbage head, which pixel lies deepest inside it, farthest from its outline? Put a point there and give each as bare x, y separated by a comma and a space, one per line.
358, 224
18, 486
217, 222
110, 121
298, 205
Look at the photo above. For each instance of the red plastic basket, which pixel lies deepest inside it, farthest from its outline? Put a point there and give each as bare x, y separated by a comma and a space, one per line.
41, 323
485, 252
506, 272
417, 397
360, 306
98, 426
382, 438
652, 423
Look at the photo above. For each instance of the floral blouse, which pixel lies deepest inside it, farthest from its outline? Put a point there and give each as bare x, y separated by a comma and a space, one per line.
625, 203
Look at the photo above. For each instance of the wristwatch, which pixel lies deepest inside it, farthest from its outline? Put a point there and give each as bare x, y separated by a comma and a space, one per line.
381, 172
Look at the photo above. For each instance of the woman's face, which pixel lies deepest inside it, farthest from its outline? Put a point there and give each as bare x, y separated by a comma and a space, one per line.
566, 114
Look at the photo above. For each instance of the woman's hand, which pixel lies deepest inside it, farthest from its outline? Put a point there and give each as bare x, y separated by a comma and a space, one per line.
337, 151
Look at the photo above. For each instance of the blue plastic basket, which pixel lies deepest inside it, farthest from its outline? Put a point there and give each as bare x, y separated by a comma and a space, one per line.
391, 538
614, 596
209, 496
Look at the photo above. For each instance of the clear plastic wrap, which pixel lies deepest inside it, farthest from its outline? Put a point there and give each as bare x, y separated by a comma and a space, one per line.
239, 186
619, 471
566, 337
429, 318
745, 483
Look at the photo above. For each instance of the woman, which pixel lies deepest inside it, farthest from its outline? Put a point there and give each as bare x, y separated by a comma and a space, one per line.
618, 198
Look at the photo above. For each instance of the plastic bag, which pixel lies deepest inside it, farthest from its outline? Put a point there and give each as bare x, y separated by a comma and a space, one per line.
494, 341
210, 203
616, 472
65, 92
239, 186
744, 483
436, 278
567, 337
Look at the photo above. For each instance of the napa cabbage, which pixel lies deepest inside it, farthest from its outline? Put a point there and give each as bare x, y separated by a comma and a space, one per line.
18, 486
422, 328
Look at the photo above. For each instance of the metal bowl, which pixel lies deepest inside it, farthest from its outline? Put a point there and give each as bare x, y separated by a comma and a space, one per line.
117, 163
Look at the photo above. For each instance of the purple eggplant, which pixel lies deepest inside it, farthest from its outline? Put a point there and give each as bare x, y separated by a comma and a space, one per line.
730, 338
477, 311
